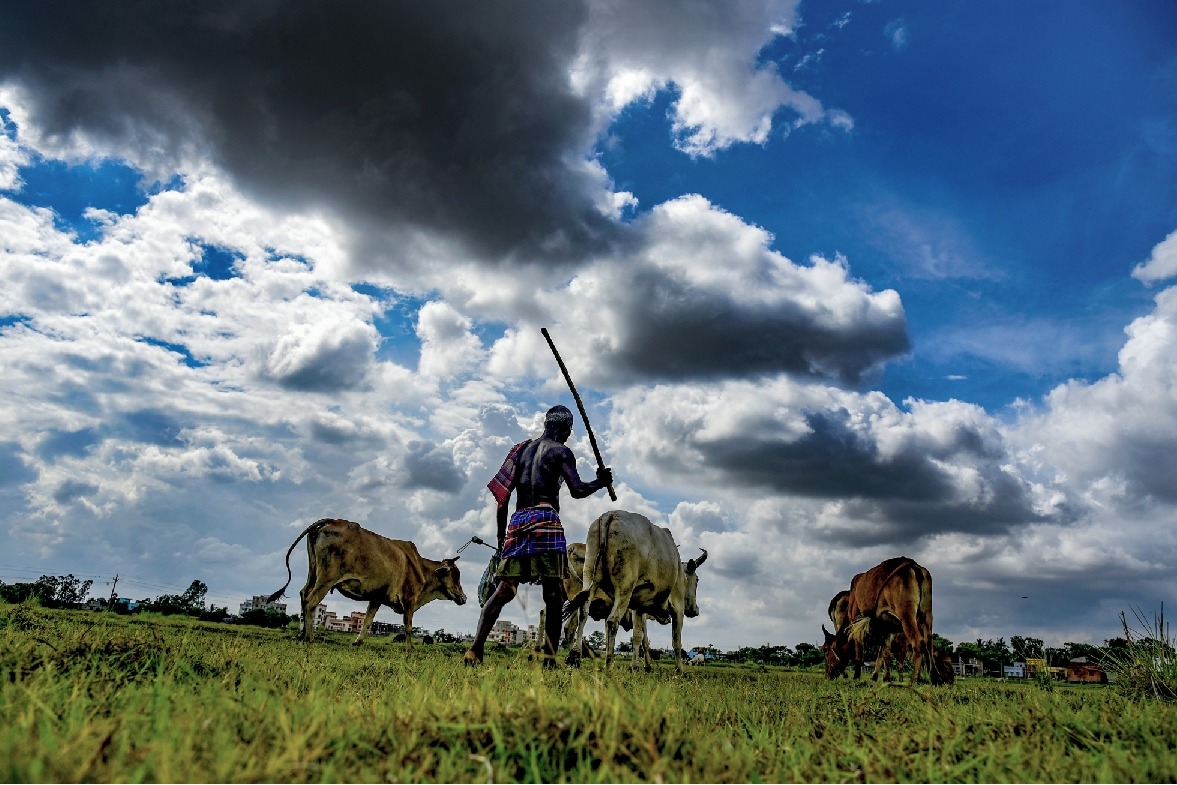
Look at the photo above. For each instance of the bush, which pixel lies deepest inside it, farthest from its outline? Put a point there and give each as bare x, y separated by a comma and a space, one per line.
1147, 665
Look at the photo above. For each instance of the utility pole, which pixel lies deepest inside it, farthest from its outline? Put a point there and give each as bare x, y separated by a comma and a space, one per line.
110, 602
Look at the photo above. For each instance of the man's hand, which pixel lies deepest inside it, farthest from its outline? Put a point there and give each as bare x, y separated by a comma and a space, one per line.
604, 476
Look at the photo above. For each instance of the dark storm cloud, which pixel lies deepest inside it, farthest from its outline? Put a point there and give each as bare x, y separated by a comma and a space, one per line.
428, 466
452, 118
675, 331
891, 498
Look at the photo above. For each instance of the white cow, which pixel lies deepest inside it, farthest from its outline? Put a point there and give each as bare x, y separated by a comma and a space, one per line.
636, 563
598, 609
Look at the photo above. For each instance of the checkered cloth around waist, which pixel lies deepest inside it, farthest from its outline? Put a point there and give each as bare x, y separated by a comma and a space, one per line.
534, 530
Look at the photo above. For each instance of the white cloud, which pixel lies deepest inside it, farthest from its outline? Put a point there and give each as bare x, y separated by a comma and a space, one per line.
1161, 264
707, 54
448, 347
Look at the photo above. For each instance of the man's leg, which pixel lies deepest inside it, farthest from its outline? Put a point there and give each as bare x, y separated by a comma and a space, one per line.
490, 614
554, 608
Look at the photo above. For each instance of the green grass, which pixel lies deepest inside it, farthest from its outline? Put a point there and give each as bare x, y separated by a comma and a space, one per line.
101, 698
1147, 667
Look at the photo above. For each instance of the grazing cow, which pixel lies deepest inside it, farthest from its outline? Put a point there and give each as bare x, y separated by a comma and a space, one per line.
699, 659
838, 612
636, 563
890, 598
365, 566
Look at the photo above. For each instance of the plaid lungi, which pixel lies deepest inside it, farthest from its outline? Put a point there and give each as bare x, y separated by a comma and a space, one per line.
534, 530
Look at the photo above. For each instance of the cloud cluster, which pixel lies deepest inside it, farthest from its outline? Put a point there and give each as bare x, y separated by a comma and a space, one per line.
214, 369
437, 133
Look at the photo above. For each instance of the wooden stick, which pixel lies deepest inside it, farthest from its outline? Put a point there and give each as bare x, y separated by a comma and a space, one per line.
579, 405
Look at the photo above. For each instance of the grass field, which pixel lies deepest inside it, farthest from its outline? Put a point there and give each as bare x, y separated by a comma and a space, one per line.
102, 698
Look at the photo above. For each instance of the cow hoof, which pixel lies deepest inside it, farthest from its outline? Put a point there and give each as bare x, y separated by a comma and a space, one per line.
471, 659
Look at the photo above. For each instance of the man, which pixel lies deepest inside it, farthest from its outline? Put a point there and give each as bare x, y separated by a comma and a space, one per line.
532, 546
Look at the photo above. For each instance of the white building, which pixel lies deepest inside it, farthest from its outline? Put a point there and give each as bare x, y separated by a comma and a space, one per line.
258, 602
506, 632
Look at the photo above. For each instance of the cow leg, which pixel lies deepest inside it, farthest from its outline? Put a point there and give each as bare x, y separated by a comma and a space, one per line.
883, 661
367, 625
620, 608
676, 637
918, 643
576, 654
641, 643
408, 617
311, 595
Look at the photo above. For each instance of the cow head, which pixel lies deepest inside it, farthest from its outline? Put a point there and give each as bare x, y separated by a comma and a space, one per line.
941, 671
835, 653
691, 608
449, 580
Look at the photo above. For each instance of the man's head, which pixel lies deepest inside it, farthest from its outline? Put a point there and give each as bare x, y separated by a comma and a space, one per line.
558, 423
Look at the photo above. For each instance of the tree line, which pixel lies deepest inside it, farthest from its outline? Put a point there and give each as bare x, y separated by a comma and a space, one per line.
67, 591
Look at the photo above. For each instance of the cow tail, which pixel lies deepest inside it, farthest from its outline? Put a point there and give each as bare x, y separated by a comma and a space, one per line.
589, 578
311, 530
924, 620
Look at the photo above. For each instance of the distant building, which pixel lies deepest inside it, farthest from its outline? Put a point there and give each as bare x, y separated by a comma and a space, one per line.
1016, 670
258, 602
1082, 671
385, 628
506, 632
352, 622
967, 666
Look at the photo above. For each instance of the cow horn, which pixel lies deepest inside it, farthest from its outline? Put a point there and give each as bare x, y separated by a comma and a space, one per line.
702, 558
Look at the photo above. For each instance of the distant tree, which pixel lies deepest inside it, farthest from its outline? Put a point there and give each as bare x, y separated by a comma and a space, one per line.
1056, 657
191, 602
51, 591
1077, 650
16, 592
1026, 648
597, 640
72, 592
941, 643
806, 654
265, 617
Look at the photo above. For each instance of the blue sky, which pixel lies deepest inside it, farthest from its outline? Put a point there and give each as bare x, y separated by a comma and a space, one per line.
840, 281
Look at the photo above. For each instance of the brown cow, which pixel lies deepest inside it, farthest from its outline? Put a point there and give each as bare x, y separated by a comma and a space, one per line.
890, 598
365, 566
839, 614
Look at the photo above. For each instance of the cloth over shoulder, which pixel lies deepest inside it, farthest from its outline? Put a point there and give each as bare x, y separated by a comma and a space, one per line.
503, 482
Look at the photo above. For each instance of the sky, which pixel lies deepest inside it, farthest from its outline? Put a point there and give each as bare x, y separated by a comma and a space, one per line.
837, 281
